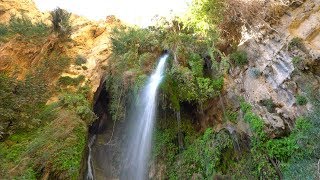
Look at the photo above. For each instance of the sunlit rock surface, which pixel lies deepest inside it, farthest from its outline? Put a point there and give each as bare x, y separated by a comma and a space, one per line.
269, 54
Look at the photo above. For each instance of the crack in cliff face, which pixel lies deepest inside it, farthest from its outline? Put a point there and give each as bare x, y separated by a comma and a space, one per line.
100, 108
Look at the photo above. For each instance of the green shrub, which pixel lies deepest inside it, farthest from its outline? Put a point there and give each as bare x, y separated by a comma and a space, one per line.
232, 115
282, 149
239, 58
25, 27
209, 154
79, 104
296, 42
69, 81
3, 31
54, 65
244, 106
301, 100
256, 124
21, 101
196, 64
80, 60
269, 104
296, 60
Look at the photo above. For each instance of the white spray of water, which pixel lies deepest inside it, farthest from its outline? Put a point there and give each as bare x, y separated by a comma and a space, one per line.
90, 172
137, 156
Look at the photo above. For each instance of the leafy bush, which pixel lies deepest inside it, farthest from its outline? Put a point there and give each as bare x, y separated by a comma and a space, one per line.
208, 88
232, 115
296, 60
21, 102
296, 42
78, 103
60, 22
80, 60
196, 64
67, 80
25, 27
239, 58
208, 155
125, 39
244, 106
301, 100
3, 31
53, 65
269, 104
297, 147
205, 155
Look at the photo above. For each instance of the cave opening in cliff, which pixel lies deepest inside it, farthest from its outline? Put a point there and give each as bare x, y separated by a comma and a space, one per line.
100, 108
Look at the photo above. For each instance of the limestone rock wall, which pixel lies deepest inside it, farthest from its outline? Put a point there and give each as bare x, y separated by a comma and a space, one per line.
272, 72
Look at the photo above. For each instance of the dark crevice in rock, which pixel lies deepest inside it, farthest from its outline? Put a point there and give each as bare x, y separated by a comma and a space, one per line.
100, 108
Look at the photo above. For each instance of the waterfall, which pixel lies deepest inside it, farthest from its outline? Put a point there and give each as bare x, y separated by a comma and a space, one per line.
141, 127
89, 161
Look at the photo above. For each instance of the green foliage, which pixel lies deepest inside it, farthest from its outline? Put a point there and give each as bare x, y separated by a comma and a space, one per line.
245, 107
67, 80
165, 138
196, 64
256, 124
135, 52
269, 104
232, 115
204, 16
57, 145
208, 88
239, 58
296, 42
303, 165
79, 103
133, 39
301, 169
282, 149
70, 157
296, 148
60, 22
301, 100
3, 31
80, 60
21, 102
207, 156
53, 65
296, 60
26, 28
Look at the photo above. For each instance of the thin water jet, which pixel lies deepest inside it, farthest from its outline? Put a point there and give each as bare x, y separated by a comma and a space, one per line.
89, 161
141, 127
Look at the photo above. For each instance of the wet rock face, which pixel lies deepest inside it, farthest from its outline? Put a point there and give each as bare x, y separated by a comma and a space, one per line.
106, 148
288, 58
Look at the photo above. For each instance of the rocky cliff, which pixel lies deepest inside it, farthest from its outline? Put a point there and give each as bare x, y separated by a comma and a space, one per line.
283, 68
283, 63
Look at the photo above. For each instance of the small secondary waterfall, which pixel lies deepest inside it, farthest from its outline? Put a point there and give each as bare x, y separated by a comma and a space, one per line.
139, 144
89, 161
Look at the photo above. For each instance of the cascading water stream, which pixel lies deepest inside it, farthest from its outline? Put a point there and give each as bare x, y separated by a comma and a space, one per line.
139, 144
89, 161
